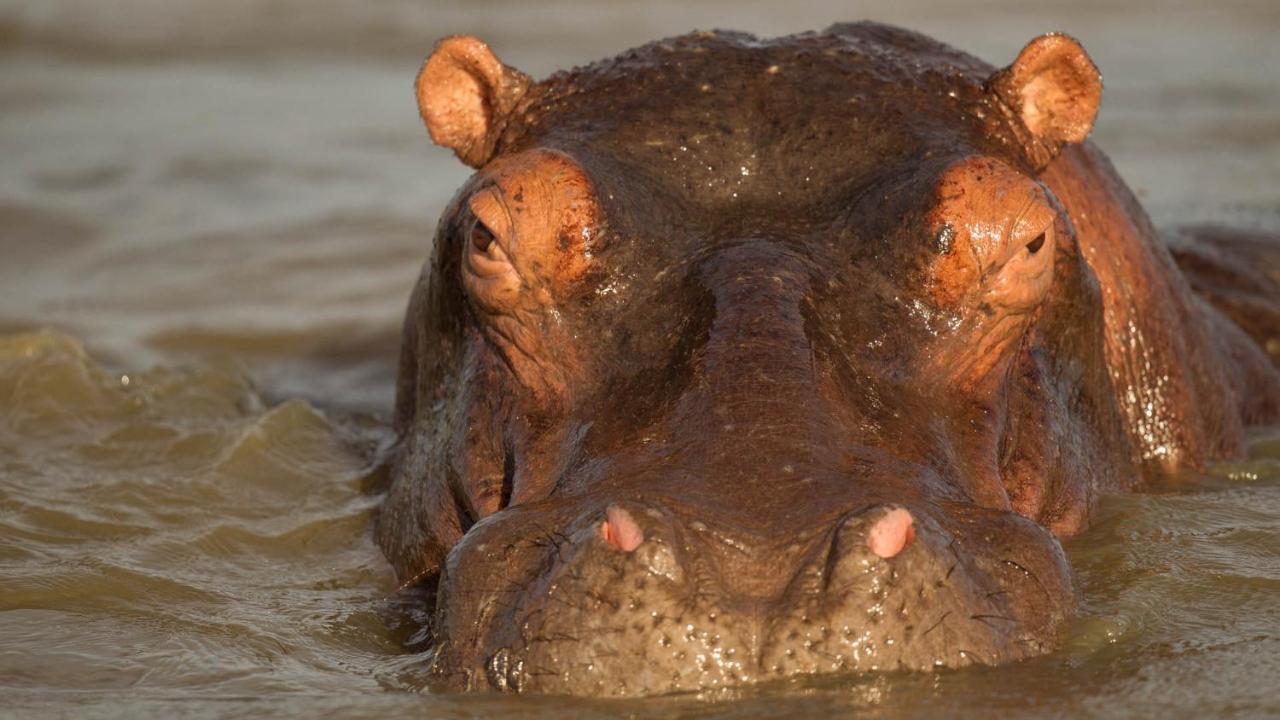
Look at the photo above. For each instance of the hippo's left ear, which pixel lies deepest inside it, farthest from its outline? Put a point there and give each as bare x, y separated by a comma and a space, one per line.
1053, 90
466, 96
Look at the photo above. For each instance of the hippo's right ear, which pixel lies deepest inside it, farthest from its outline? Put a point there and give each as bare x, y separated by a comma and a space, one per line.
1053, 90
466, 95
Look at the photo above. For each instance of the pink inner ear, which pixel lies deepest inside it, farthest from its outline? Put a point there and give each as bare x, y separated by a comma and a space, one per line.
891, 533
1043, 100
621, 530
463, 89
452, 99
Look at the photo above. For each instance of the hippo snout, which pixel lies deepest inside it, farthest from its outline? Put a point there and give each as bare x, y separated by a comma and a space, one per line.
634, 598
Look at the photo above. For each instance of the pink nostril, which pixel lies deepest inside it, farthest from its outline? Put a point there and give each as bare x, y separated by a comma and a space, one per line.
891, 533
620, 530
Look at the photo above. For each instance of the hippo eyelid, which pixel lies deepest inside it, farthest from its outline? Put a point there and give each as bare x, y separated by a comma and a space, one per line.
1034, 201
491, 212
481, 236
1038, 203
1034, 246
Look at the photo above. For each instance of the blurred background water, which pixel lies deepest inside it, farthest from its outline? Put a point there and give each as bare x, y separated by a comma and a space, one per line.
211, 214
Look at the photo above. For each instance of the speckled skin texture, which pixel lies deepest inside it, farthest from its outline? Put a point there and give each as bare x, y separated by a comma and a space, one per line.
765, 351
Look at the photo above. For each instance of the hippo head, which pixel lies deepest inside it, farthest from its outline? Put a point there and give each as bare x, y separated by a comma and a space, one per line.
742, 359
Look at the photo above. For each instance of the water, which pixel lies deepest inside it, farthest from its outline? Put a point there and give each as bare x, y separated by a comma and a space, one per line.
210, 218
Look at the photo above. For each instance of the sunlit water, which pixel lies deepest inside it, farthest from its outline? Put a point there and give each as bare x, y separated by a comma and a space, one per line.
227, 204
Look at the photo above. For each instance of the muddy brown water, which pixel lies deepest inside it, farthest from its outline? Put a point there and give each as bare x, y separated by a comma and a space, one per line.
211, 214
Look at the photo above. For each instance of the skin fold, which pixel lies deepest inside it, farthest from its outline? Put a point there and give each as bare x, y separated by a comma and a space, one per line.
740, 359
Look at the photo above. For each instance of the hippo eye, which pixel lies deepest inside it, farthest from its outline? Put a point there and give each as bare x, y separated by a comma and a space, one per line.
1034, 246
481, 236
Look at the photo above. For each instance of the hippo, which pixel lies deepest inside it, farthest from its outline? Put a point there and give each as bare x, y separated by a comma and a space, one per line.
744, 359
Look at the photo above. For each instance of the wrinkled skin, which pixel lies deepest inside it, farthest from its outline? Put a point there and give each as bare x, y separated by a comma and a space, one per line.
742, 359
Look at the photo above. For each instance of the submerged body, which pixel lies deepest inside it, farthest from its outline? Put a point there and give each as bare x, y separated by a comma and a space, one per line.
742, 359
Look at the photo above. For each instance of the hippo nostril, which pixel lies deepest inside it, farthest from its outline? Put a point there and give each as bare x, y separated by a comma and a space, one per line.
621, 530
891, 533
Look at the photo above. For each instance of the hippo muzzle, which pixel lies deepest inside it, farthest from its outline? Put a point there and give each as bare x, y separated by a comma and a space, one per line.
634, 598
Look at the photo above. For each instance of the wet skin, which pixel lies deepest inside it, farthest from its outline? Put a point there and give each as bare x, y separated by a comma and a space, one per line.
739, 359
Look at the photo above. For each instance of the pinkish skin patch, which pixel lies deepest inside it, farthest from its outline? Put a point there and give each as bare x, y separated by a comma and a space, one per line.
621, 530
891, 533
